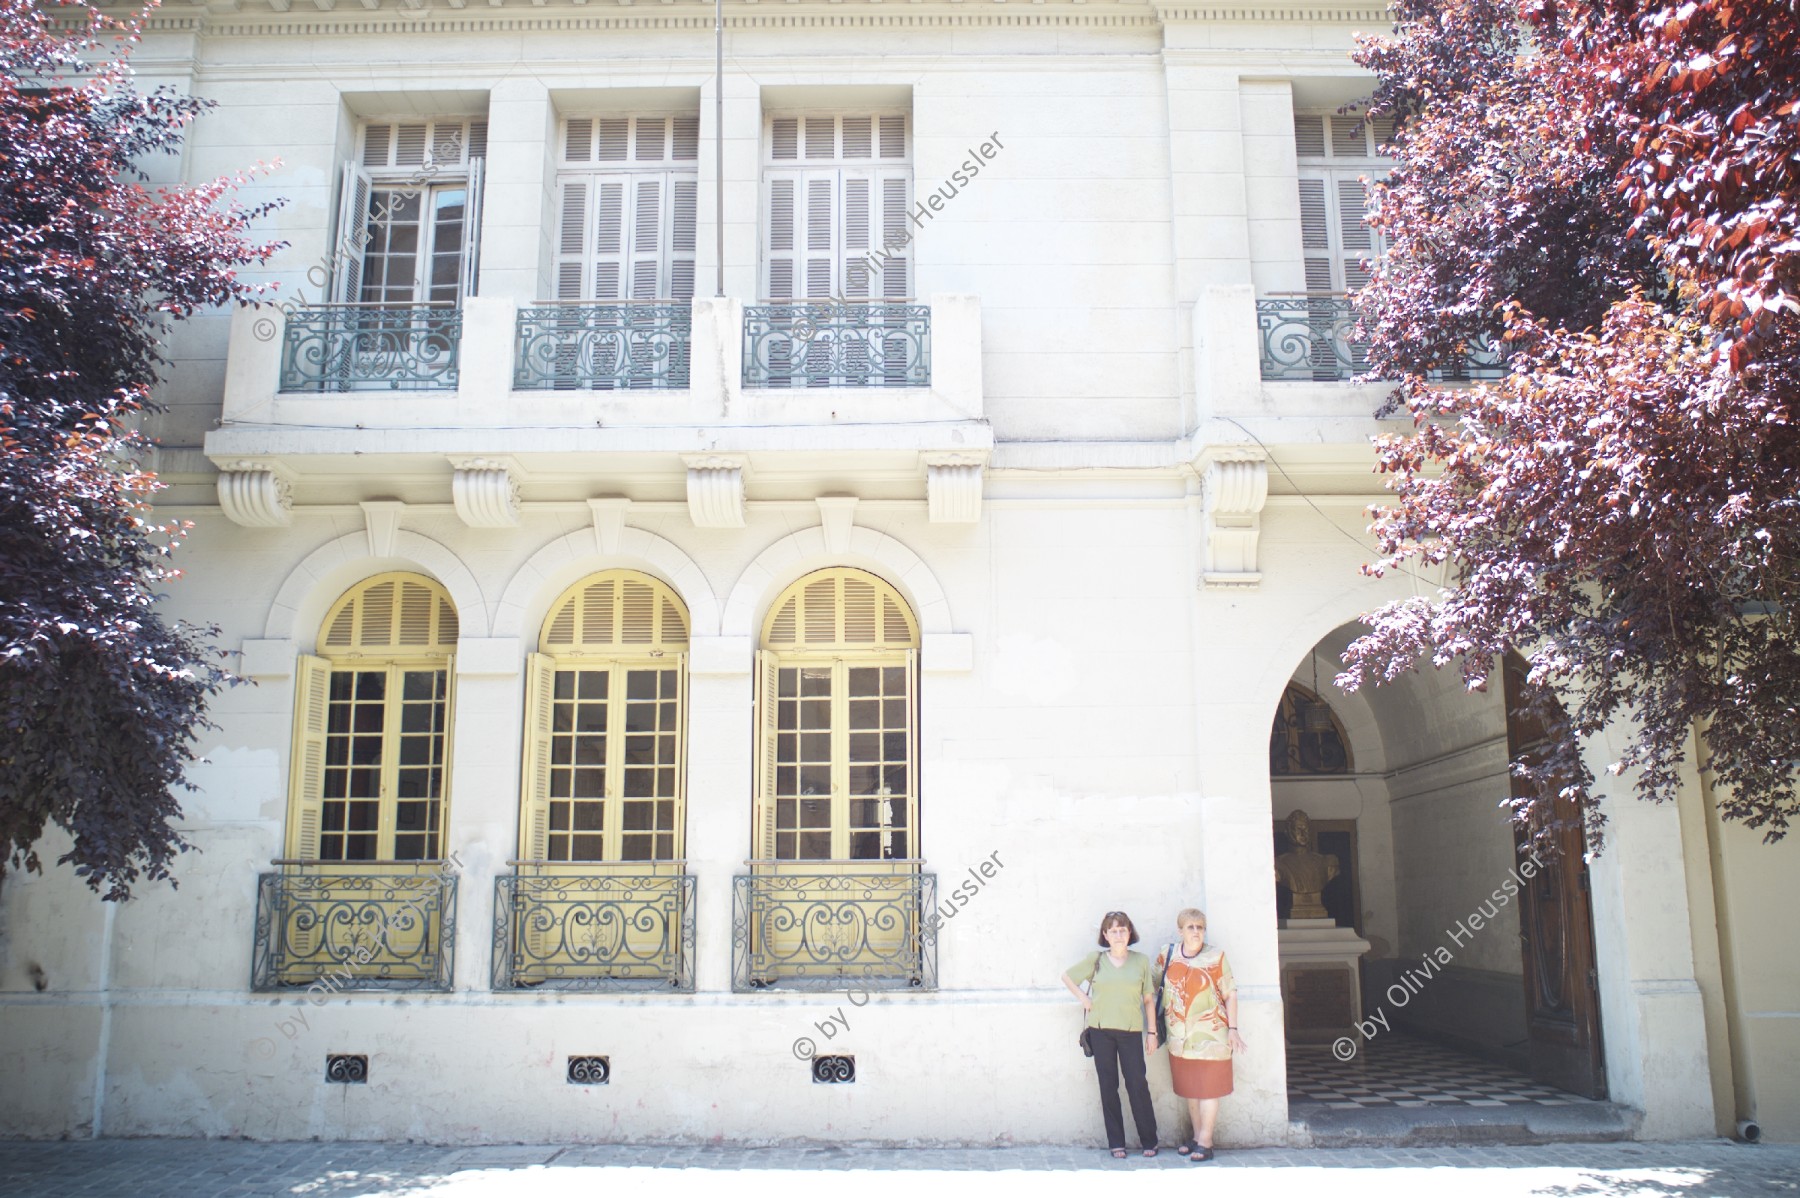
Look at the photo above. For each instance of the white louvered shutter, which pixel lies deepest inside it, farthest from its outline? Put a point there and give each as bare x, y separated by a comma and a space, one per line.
353, 234
647, 196
833, 213
1349, 137
624, 232
571, 238
782, 252
1335, 152
894, 190
818, 233
860, 235
471, 247
1354, 235
410, 143
1317, 252
608, 230
684, 215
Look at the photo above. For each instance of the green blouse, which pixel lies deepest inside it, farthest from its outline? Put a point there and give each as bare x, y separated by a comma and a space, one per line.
1118, 991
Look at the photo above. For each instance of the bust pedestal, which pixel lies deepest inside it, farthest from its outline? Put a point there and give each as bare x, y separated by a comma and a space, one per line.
1321, 979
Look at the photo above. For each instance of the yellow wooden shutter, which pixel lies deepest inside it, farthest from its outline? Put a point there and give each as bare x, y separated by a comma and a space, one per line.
534, 790
763, 813
306, 783
449, 758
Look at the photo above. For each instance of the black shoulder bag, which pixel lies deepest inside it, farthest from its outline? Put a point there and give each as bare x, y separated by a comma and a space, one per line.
1085, 1040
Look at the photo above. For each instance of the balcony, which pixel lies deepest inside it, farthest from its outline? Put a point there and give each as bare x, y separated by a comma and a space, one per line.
385, 925
603, 347
818, 925
875, 343
594, 928
491, 377
1309, 337
371, 347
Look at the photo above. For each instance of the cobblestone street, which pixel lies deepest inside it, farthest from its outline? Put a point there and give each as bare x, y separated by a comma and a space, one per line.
206, 1169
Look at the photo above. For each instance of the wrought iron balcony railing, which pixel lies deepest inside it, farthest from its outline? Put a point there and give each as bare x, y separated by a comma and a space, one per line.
1309, 337
832, 343
622, 929
868, 925
603, 347
391, 928
372, 347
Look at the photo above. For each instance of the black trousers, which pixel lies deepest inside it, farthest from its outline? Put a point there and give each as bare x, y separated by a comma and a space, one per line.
1115, 1051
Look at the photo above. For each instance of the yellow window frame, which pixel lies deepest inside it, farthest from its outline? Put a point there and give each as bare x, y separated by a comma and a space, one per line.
664, 649
822, 634
312, 707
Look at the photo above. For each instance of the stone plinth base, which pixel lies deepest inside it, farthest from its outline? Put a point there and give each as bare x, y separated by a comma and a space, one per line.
1321, 979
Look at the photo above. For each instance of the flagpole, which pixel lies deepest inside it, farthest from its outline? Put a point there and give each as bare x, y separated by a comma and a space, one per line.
719, 144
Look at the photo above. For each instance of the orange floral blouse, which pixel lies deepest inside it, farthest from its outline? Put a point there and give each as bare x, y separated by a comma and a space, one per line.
1194, 994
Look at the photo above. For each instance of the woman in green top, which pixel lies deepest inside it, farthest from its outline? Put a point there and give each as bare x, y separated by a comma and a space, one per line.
1120, 1010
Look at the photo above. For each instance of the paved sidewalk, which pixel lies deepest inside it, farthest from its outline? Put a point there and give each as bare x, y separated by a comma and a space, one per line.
208, 1168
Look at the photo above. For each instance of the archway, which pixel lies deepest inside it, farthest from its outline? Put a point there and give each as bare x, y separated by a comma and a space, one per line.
1405, 786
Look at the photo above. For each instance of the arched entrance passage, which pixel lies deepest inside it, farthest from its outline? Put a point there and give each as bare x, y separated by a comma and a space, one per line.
1405, 788
1562, 992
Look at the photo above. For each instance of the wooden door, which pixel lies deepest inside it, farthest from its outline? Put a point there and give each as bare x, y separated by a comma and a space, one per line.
1556, 933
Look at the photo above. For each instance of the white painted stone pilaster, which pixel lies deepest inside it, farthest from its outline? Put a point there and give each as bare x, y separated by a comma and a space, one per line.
1271, 187
1653, 1023
482, 827
519, 194
718, 794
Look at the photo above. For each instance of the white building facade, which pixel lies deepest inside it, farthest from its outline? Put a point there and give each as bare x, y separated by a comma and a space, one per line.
715, 684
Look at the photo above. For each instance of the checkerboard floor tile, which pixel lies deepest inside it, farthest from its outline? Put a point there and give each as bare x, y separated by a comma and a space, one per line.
1400, 1071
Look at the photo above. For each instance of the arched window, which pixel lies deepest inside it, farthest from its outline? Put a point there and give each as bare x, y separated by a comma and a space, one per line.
371, 726
837, 768
605, 727
1306, 737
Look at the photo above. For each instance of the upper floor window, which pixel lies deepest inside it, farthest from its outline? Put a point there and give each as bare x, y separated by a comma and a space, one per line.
409, 216
837, 191
371, 726
605, 740
627, 201
1306, 737
838, 743
1335, 153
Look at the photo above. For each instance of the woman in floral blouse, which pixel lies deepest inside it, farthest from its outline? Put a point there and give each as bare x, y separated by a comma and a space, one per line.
1200, 1003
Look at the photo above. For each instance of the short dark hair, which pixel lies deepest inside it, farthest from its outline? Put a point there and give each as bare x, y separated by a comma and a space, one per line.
1113, 919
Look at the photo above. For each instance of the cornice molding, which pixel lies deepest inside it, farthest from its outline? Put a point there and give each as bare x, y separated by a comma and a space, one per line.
315, 18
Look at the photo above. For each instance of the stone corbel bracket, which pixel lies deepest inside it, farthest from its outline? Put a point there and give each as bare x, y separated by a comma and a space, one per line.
486, 493
1235, 486
715, 490
255, 494
953, 487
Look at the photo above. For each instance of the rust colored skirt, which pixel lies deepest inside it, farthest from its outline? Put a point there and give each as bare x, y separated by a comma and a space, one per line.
1200, 1079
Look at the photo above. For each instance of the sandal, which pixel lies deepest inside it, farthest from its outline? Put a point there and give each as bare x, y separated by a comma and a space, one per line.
1185, 1148
1201, 1153
1149, 1152
1118, 1154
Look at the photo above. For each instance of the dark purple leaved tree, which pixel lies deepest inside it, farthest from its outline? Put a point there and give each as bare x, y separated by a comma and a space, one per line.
1611, 189
99, 695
